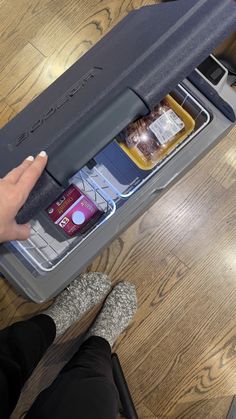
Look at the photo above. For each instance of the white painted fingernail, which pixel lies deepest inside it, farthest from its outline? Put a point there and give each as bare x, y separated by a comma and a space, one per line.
30, 158
43, 154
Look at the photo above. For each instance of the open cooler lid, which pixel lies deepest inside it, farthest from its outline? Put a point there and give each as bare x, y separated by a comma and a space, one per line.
122, 77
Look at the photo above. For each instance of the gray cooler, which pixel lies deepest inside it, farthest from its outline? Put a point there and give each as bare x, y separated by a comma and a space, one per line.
154, 51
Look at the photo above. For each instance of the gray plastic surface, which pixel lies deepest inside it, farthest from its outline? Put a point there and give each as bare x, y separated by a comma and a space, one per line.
222, 94
40, 288
113, 177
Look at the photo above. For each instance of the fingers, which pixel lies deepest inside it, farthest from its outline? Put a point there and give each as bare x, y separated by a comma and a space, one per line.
14, 175
18, 232
21, 232
31, 175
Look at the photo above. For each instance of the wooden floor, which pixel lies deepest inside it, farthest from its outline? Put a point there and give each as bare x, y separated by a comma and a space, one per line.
179, 355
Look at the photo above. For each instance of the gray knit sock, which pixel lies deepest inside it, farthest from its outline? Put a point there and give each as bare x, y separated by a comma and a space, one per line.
117, 312
83, 293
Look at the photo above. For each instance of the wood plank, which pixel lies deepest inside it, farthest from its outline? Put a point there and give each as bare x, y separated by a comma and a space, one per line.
215, 233
16, 71
89, 10
192, 359
51, 36
19, 22
210, 409
144, 412
225, 163
232, 133
6, 113
13, 307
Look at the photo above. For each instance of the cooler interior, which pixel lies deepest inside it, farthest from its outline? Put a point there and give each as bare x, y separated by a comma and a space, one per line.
111, 181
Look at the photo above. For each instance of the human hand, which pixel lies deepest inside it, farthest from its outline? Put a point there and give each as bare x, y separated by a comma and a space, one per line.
15, 188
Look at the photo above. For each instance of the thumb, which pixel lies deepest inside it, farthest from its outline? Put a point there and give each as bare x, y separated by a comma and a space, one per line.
21, 232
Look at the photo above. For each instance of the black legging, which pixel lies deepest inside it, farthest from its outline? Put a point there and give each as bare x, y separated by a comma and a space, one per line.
84, 388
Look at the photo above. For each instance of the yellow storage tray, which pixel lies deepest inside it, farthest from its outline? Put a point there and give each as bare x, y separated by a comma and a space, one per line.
138, 157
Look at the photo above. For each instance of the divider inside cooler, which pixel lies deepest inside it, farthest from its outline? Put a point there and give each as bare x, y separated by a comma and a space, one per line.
48, 245
112, 180
115, 166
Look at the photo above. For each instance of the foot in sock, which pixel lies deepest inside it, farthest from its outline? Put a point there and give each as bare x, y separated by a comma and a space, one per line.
117, 312
83, 293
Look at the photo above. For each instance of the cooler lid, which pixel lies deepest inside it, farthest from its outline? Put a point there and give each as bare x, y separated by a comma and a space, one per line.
123, 76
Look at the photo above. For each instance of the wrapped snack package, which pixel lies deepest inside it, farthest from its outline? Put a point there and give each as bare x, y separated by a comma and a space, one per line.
149, 139
73, 211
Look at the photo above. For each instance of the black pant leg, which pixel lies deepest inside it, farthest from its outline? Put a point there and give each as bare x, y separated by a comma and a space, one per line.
22, 345
84, 388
